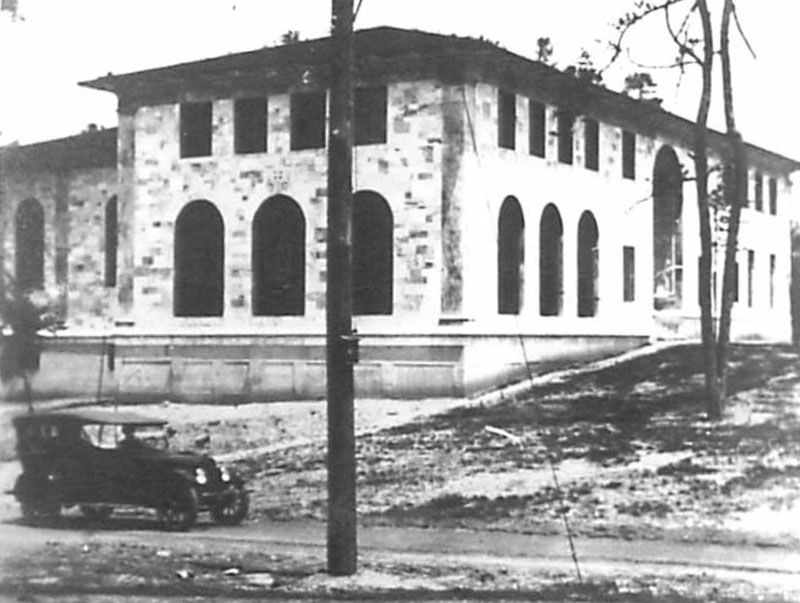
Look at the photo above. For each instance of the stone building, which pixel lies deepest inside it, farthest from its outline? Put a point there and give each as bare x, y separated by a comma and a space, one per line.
505, 214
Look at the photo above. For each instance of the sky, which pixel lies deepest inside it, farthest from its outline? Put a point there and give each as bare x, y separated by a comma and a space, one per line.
53, 44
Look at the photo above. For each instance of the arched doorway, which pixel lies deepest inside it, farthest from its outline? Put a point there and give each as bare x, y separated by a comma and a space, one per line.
588, 264
199, 261
278, 256
373, 254
551, 271
667, 230
510, 257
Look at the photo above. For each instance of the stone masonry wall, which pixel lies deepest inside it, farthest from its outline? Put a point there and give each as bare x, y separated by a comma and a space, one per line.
405, 171
74, 239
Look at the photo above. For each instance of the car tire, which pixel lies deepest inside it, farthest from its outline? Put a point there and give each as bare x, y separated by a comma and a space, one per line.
179, 513
96, 512
234, 509
38, 502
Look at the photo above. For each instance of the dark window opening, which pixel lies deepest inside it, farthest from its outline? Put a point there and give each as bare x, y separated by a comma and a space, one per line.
506, 119
667, 230
773, 196
591, 138
551, 270
373, 254
772, 263
759, 191
199, 261
195, 129
278, 252
370, 115
736, 281
250, 125
29, 252
565, 121
628, 274
510, 257
308, 120
628, 155
587, 265
536, 128
751, 265
111, 240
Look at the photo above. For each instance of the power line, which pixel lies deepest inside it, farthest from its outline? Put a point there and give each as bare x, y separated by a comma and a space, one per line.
554, 473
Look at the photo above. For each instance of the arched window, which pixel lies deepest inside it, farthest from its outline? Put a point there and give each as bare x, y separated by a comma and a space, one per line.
667, 230
29, 252
199, 261
279, 266
587, 265
111, 243
510, 257
551, 270
373, 254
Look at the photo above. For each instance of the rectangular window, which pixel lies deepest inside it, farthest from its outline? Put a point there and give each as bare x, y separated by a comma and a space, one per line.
195, 129
759, 191
369, 119
628, 274
772, 263
565, 121
536, 128
773, 196
591, 139
751, 263
506, 119
735, 281
308, 120
628, 155
250, 125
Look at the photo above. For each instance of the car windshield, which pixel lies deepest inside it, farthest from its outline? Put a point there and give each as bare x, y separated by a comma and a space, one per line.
125, 436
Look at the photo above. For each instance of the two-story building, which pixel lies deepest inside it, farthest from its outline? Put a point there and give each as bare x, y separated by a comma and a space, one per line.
504, 214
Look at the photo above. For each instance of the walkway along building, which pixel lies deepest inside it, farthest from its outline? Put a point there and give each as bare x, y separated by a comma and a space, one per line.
504, 213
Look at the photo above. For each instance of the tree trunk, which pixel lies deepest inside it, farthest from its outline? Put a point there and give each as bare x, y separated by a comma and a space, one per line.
27, 391
713, 397
735, 194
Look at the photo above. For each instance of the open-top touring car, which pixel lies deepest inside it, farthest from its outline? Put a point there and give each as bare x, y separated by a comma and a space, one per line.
100, 459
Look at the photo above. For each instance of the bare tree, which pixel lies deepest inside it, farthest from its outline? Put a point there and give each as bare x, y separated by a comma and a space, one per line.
692, 35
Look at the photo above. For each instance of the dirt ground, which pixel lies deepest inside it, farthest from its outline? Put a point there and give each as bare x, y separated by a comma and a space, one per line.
629, 445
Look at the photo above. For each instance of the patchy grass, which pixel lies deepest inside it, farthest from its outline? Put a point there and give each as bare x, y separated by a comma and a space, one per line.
630, 445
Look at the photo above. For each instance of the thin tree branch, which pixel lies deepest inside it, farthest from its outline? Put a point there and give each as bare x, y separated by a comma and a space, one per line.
741, 31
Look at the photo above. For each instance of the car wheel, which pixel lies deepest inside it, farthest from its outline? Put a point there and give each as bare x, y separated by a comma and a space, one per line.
37, 502
180, 512
234, 509
96, 512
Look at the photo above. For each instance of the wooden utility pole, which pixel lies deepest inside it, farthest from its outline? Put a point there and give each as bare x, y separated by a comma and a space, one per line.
341, 345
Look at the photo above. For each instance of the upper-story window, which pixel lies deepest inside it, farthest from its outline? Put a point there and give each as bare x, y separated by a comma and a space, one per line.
628, 155
506, 119
250, 125
759, 191
536, 128
773, 196
111, 242
591, 140
370, 115
195, 129
565, 121
308, 120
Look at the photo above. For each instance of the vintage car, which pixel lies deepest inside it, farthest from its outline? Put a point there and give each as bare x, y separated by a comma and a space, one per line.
100, 459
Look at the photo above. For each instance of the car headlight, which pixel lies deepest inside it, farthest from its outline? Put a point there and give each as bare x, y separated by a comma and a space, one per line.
200, 476
224, 475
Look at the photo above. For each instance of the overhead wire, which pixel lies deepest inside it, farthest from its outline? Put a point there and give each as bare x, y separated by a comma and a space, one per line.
551, 462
